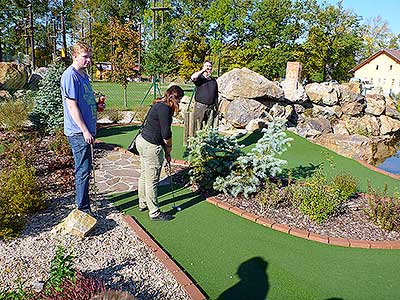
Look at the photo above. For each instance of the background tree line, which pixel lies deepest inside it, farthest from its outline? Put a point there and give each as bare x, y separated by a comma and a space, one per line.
259, 34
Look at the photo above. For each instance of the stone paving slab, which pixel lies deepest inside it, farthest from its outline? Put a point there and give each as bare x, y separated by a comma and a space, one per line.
118, 171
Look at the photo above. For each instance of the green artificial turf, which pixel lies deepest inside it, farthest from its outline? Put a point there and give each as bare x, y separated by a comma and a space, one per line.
233, 258
123, 135
136, 92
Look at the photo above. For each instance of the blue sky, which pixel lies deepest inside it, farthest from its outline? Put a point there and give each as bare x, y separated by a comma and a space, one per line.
368, 9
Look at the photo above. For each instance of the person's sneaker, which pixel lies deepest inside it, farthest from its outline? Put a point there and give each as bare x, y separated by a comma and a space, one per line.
141, 209
162, 217
90, 213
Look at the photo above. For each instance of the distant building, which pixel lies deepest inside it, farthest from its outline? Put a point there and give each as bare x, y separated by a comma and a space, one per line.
381, 70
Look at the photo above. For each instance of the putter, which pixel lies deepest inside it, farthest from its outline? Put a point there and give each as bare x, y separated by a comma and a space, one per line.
94, 178
171, 183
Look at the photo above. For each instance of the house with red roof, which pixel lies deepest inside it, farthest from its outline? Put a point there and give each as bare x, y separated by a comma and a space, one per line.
382, 70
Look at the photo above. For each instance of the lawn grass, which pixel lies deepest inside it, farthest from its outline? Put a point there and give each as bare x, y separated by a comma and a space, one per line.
136, 92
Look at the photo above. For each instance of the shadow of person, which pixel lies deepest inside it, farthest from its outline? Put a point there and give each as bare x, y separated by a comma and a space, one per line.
253, 282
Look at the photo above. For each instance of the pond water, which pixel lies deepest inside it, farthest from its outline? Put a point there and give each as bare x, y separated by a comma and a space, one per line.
391, 164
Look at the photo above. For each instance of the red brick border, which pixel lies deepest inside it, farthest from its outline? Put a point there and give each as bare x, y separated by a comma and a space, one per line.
187, 284
308, 235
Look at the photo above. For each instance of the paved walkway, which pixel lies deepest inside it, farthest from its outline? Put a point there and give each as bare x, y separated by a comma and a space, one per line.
118, 171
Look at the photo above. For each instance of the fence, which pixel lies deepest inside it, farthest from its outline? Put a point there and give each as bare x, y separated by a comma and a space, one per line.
137, 93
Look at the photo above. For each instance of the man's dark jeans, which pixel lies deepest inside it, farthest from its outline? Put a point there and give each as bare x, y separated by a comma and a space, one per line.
83, 166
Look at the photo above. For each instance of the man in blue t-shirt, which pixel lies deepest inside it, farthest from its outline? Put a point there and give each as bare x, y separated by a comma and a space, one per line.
80, 115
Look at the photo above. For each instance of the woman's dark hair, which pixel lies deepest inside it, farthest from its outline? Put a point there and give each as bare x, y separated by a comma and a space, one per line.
171, 97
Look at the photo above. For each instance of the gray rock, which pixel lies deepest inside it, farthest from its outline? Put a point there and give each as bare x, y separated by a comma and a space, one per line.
240, 112
246, 84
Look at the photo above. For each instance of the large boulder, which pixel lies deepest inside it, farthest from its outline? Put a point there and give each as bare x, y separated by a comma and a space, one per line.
389, 125
13, 76
323, 93
360, 147
240, 112
294, 91
375, 104
246, 84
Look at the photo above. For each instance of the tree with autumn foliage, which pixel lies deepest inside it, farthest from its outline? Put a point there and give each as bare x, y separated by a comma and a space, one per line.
125, 42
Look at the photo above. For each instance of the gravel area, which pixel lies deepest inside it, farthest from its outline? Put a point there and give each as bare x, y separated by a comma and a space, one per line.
110, 252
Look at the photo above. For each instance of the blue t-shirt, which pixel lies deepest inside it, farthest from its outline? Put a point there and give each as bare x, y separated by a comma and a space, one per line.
77, 87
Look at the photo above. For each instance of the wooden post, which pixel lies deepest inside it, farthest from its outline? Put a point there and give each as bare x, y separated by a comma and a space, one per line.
186, 118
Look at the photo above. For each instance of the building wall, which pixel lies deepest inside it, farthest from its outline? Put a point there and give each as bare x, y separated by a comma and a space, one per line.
383, 72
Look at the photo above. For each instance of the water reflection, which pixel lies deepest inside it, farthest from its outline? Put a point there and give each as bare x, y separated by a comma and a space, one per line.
391, 164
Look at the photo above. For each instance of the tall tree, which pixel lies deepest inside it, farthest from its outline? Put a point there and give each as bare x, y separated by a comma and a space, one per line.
333, 42
190, 28
377, 35
126, 45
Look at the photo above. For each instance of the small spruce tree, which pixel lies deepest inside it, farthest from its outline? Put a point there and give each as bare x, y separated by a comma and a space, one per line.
47, 113
250, 171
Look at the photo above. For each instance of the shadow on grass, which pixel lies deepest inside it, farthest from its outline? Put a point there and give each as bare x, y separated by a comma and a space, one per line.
253, 282
166, 196
300, 172
116, 130
251, 139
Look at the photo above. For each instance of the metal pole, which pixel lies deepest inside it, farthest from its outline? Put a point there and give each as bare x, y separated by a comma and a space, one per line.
32, 36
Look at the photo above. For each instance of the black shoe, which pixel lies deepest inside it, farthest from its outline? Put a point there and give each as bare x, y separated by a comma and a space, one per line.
162, 217
90, 213
141, 209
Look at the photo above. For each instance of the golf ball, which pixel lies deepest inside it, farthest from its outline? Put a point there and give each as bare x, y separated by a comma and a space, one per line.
178, 208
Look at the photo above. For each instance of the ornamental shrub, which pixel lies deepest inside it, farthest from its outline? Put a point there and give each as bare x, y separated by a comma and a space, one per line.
252, 170
318, 197
14, 113
47, 114
210, 155
384, 211
20, 194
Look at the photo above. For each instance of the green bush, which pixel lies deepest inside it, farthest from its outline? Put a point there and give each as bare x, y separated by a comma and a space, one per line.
345, 186
61, 268
318, 198
20, 194
271, 194
14, 114
210, 155
250, 171
47, 114
384, 211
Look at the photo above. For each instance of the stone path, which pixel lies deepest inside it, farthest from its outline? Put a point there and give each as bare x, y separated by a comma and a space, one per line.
118, 171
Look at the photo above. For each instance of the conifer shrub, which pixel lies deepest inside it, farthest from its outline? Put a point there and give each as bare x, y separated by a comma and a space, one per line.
20, 194
384, 211
210, 155
47, 114
250, 171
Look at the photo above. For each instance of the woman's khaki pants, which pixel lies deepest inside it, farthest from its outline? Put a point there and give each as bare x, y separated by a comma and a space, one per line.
151, 159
